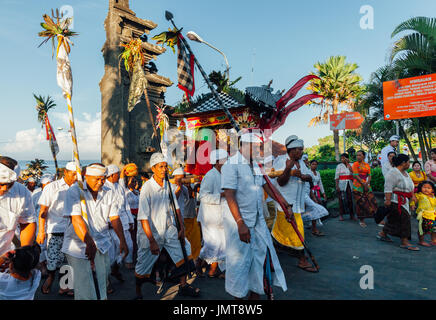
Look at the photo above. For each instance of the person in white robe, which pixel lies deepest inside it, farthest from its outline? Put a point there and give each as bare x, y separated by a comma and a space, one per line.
344, 187
113, 182
292, 184
87, 239
210, 216
157, 231
248, 241
391, 147
388, 164
16, 208
52, 223
314, 210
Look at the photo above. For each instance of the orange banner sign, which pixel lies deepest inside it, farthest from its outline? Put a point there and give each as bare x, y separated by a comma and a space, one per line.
410, 98
345, 120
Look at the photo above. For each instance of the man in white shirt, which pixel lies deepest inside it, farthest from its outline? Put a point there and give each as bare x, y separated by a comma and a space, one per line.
52, 223
87, 239
391, 147
157, 232
293, 184
248, 241
112, 181
16, 208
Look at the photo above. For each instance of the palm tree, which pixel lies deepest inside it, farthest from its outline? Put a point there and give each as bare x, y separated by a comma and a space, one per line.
414, 54
43, 105
341, 88
35, 168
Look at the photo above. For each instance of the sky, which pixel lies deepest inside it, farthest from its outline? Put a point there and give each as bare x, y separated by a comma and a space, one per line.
277, 40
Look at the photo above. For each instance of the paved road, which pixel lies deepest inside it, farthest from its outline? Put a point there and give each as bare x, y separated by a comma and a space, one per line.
398, 273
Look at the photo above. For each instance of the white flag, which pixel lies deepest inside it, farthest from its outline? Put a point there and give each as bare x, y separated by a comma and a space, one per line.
64, 76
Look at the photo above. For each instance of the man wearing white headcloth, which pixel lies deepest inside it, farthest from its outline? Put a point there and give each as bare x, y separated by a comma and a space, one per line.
87, 239
210, 216
52, 223
16, 208
291, 184
248, 241
391, 147
158, 236
112, 181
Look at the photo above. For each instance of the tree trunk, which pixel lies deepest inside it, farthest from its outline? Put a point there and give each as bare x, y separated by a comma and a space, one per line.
336, 141
427, 146
421, 142
403, 133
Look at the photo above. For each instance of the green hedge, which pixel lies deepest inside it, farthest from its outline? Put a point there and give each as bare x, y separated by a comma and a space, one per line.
328, 181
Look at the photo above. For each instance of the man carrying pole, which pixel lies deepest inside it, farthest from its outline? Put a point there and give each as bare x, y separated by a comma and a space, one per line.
291, 185
157, 231
248, 242
88, 240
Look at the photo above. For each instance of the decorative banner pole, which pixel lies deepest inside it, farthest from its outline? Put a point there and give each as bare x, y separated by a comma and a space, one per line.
60, 31
134, 61
169, 16
42, 106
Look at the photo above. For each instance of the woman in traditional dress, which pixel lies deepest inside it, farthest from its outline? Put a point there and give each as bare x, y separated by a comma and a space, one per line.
398, 190
344, 185
430, 166
417, 175
366, 204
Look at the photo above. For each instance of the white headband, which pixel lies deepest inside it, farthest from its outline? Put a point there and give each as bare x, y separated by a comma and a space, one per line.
252, 137
156, 158
217, 154
71, 166
7, 175
95, 170
112, 169
296, 144
178, 171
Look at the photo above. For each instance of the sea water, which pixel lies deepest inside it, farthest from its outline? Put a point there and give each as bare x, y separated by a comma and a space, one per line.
51, 165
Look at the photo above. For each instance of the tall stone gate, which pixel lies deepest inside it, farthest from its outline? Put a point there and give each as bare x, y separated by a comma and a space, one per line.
126, 136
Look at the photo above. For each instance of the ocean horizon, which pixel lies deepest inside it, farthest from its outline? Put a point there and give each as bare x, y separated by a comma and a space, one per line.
51, 165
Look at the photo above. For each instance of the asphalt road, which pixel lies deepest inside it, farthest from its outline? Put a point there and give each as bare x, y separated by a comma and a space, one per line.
346, 248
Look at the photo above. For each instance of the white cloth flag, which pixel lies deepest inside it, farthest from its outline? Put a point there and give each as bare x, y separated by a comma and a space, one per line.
64, 76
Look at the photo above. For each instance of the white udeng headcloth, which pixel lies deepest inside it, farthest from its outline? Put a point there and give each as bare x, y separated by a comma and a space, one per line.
156, 158
112, 169
95, 170
71, 166
7, 175
178, 172
296, 144
253, 137
217, 154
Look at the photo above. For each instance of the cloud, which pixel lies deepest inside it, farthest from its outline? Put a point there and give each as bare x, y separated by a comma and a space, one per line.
31, 143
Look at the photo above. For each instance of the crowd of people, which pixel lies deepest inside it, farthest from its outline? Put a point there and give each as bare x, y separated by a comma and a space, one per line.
229, 226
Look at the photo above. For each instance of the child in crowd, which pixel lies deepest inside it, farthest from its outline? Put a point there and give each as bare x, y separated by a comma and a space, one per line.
20, 280
425, 211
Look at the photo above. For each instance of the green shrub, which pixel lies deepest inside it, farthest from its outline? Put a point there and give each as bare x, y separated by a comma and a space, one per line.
328, 181
377, 180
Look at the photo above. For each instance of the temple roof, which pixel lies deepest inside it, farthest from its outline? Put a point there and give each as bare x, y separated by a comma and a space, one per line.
212, 104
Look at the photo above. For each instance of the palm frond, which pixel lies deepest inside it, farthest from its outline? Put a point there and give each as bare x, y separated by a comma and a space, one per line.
43, 105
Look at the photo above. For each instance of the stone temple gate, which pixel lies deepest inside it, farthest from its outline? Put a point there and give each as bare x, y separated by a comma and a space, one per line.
126, 136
